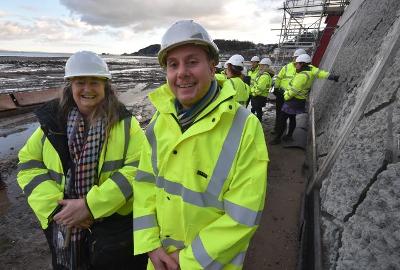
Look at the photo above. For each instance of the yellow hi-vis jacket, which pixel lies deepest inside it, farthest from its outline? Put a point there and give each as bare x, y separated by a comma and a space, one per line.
253, 75
220, 78
42, 177
261, 85
201, 191
242, 89
301, 83
285, 75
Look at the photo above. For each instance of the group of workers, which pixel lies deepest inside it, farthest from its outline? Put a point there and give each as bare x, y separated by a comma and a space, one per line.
290, 87
186, 193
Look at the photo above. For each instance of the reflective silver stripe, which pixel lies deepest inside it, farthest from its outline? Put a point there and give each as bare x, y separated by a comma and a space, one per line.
133, 163
127, 130
37, 180
202, 199
31, 164
228, 152
56, 176
143, 176
172, 242
239, 259
112, 165
201, 255
123, 184
144, 222
151, 137
242, 214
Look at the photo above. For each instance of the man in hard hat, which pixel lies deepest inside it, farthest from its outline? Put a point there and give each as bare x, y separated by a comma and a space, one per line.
253, 71
201, 183
296, 94
235, 78
282, 83
260, 88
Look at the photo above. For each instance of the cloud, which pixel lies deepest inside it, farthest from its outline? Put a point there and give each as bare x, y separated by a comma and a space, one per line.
141, 15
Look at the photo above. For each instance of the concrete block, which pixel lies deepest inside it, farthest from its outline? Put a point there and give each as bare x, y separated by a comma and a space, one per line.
361, 157
371, 239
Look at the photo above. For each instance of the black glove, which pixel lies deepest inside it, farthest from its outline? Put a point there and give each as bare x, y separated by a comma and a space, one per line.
333, 78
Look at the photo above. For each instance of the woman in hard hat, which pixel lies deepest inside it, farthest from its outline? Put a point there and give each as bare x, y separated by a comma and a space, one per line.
235, 66
296, 94
260, 88
202, 181
77, 168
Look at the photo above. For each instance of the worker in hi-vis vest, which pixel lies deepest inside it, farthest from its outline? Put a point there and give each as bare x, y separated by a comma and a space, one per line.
201, 182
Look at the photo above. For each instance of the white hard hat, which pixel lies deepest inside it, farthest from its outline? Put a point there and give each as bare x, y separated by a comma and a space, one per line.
244, 71
303, 58
186, 32
266, 61
255, 59
219, 65
85, 63
299, 52
236, 60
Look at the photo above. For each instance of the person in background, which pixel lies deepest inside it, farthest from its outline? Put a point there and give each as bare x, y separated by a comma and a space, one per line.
77, 168
220, 74
254, 70
282, 83
234, 75
296, 94
201, 183
219, 68
260, 88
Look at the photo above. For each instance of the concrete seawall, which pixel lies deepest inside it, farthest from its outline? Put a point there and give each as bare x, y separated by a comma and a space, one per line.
357, 127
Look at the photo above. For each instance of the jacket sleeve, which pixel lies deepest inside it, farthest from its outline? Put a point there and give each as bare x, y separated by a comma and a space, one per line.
225, 241
145, 227
105, 199
280, 76
39, 184
319, 73
296, 87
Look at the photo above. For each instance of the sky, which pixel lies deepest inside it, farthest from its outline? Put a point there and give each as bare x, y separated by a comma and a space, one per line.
125, 26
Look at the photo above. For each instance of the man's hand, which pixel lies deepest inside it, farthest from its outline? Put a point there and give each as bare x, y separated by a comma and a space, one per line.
333, 78
161, 260
73, 213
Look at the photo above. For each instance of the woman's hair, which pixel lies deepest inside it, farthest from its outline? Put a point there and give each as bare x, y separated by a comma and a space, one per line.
108, 108
236, 70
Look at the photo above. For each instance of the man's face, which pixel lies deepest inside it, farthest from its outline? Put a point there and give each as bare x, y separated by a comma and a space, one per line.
189, 73
254, 64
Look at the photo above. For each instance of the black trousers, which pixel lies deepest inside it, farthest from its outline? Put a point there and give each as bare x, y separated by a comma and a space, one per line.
283, 117
257, 103
278, 105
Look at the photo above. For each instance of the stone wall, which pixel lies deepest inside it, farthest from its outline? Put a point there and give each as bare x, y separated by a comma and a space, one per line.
358, 139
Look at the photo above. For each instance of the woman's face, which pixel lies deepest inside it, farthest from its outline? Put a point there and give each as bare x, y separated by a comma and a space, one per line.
88, 93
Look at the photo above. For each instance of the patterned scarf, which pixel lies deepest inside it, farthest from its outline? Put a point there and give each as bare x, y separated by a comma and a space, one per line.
186, 117
84, 147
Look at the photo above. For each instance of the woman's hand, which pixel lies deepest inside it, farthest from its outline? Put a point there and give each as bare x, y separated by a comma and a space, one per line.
162, 261
74, 212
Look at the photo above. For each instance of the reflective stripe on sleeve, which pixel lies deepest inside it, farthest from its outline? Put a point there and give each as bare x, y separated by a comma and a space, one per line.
202, 257
36, 181
31, 164
167, 242
133, 163
144, 222
143, 176
123, 184
228, 152
242, 215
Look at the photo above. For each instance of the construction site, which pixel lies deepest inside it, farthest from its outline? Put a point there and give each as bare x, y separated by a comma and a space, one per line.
333, 200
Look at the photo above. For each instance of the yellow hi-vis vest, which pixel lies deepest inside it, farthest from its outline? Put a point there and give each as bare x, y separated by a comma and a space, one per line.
241, 88
285, 75
42, 178
253, 74
261, 85
201, 191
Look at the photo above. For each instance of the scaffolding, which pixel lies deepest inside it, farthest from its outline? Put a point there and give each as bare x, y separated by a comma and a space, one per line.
302, 25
